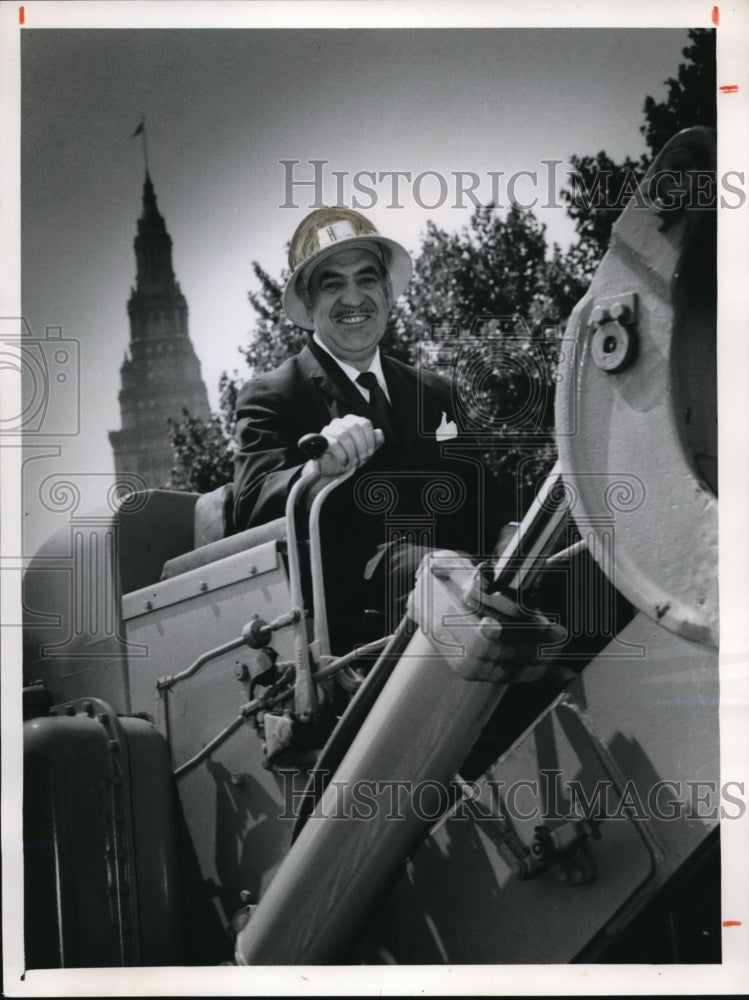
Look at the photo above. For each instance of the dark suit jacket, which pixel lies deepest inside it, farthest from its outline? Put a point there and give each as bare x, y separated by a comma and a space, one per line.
413, 483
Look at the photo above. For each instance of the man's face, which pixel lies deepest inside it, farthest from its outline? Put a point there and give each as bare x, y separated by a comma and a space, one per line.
348, 299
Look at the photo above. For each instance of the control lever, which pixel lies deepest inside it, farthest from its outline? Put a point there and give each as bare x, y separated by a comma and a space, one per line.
314, 446
305, 695
523, 560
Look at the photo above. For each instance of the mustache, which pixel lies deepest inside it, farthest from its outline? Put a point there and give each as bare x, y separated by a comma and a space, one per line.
343, 313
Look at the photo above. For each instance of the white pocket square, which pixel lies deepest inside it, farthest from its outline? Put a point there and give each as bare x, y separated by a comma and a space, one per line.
446, 430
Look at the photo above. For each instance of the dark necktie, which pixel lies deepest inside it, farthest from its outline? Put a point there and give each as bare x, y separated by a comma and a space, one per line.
379, 403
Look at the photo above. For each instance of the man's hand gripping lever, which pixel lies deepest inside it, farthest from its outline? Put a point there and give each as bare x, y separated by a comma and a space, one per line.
338, 450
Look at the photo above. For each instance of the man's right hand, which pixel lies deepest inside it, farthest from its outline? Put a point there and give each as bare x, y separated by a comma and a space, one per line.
352, 440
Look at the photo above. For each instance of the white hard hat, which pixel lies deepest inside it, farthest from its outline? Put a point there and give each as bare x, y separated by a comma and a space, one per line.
327, 231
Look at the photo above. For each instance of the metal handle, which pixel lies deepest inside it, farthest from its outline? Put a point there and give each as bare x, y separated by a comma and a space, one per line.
303, 670
313, 445
321, 640
524, 558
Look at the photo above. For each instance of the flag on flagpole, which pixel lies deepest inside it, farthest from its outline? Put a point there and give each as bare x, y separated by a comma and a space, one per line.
138, 131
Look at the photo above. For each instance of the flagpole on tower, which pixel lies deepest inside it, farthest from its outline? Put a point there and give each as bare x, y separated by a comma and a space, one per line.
141, 130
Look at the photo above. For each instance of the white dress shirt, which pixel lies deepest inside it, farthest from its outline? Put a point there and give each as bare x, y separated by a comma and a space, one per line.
375, 367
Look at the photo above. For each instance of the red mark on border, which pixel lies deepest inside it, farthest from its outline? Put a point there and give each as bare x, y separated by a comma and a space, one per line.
732, 923
729, 88
21, 15
716, 16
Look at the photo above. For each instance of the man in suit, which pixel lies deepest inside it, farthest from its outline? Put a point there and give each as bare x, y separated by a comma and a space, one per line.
412, 490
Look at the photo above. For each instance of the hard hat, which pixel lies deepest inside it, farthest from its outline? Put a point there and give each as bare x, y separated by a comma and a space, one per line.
327, 231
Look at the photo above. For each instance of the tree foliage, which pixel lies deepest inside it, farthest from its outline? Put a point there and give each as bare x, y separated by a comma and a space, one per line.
691, 96
599, 188
204, 449
275, 337
492, 267
491, 299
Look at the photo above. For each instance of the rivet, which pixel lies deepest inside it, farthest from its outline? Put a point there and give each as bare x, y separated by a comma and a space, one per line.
619, 312
252, 570
599, 316
203, 586
148, 605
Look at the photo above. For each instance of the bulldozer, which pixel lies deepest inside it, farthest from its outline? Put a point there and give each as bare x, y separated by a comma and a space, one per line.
525, 771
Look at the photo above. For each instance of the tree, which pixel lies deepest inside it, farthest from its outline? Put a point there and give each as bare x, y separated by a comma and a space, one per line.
691, 96
275, 337
480, 306
204, 449
600, 188
492, 267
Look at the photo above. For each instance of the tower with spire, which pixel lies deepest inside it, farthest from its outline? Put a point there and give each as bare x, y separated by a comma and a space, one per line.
160, 375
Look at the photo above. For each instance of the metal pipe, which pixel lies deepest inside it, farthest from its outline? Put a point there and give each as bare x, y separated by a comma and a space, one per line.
350, 722
321, 640
359, 653
568, 554
164, 683
209, 747
304, 690
523, 559
249, 636
417, 734
295, 575
270, 702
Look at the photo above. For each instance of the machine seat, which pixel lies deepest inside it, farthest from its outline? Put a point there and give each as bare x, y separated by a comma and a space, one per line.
214, 533
225, 547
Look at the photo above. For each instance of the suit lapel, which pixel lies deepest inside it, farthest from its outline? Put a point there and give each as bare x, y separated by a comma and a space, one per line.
341, 396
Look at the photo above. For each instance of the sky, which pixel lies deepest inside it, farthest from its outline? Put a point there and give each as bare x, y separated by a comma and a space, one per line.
225, 108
